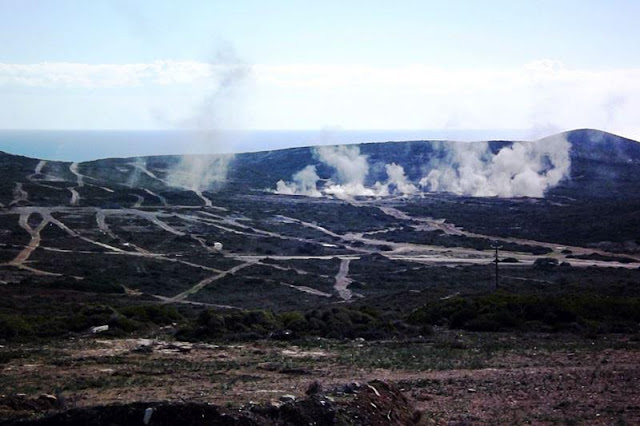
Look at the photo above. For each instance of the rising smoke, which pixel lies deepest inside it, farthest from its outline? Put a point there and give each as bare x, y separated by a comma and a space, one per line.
522, 169
200, 172
351, 170
218, 110
305, 182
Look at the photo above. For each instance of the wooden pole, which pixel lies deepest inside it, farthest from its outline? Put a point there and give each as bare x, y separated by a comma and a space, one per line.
496, 261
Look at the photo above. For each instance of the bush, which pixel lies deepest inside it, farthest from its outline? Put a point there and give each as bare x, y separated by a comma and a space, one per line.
545, 263
14, 327
330, 322
501, 311
155, 314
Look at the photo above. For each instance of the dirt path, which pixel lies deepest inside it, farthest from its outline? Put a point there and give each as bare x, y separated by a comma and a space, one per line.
202, 284
159, 197
308, 290
102, 224
153, 217
207, 202
46, 214
451, 229
343, 281
75, 197
39, 167
203, 243
140, 200
142, 166
22, 257
37, 170
74, 169
19, 195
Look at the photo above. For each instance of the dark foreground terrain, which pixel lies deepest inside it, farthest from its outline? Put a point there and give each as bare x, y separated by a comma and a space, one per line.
118, 288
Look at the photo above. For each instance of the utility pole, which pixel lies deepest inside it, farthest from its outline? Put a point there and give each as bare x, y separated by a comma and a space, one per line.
496, 261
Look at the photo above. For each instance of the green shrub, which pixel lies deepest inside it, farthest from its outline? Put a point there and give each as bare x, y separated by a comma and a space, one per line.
501, 311
155, 314
13, 327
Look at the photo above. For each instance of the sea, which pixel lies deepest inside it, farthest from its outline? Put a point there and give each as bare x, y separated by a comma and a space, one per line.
87, 145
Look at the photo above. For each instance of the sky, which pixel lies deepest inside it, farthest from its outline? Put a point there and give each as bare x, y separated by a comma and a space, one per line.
537, 66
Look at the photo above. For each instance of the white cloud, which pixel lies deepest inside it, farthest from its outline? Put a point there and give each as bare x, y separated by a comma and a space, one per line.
540, 95
89, 76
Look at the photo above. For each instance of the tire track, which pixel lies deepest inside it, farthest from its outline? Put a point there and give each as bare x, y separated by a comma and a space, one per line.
19, 195
75, 197
20, 260
202, 284
343, 281
159, 197
73, 168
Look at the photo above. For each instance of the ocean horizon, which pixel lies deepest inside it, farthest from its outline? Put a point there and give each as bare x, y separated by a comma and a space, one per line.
88, 145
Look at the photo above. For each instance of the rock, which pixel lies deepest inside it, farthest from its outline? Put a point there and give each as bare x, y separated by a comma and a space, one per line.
144, 349
147, 415
99, 329
314, 388
287, 398
49, 398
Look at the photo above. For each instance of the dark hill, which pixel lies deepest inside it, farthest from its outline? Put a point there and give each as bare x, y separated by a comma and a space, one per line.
603, 165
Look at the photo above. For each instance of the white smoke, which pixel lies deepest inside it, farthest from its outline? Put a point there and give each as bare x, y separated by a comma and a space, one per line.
351, 168
397, 182
305, 182
199, 172
522, 169
217, 110
519, 170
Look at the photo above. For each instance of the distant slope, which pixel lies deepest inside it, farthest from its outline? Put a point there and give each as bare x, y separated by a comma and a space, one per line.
603, 165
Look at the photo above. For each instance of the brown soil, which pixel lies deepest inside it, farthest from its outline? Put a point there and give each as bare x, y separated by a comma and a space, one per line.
568, 384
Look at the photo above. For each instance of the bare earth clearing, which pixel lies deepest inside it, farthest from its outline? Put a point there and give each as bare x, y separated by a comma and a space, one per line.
512, 380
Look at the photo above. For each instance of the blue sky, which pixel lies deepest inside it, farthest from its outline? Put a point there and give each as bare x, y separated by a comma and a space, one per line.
127, 64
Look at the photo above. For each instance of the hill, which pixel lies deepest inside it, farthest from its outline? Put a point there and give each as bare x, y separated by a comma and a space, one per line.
378, 257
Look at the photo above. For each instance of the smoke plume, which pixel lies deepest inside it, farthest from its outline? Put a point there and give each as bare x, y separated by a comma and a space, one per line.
305, 182
397, 182
218, 110
200, 172
520, 170
351, 170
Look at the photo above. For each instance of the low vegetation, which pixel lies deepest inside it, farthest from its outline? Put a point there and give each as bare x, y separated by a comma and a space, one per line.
502, 311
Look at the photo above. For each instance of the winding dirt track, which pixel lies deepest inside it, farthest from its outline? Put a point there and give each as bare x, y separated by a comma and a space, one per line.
73, 168
20, 260
343, 281
19, 194
139, 201
450, 229
75, 197
202, 284
308, 290
159, 197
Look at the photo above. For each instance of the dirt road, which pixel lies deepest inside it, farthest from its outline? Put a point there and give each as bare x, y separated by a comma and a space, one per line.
343, 281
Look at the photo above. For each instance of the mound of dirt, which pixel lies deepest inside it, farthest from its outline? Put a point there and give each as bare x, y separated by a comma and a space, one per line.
375, 403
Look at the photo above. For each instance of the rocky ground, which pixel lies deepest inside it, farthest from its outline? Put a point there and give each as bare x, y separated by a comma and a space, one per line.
451, 378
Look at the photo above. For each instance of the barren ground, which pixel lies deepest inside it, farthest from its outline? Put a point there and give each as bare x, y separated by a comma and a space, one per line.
469, 378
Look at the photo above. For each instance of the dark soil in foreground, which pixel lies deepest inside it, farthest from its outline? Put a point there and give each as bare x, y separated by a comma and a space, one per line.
374, 403
451, 377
